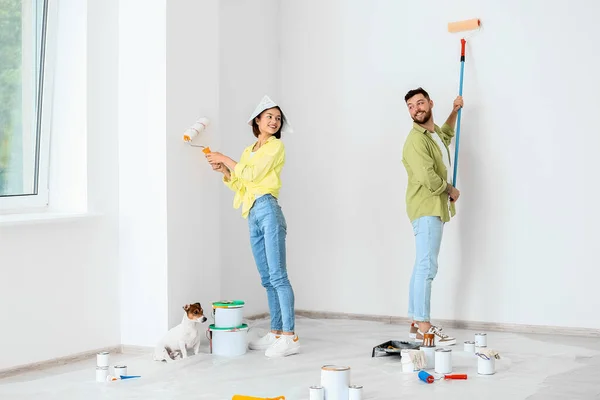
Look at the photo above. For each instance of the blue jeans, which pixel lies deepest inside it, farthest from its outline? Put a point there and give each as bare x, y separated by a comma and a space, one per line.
428, 238
268, 230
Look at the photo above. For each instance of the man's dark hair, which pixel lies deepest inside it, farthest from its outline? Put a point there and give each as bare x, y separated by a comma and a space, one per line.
414, 92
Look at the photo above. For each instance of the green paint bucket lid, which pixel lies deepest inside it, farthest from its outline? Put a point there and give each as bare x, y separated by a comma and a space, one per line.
238, 328
228, 304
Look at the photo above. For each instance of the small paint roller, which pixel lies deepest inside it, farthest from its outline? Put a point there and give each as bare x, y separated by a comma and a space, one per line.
426, 377
194, 130
453, 27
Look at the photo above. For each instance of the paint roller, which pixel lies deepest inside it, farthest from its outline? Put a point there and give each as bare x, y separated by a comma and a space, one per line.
198, 127
453, 27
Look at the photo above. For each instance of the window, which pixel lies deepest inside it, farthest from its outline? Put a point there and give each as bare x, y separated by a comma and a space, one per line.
24, 105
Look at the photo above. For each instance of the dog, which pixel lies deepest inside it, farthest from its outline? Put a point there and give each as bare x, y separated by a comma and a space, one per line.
180, 338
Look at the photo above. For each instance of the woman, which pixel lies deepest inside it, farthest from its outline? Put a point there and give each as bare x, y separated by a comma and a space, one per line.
256, 183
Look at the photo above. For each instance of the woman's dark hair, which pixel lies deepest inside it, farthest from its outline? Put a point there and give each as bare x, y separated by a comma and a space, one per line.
255, 129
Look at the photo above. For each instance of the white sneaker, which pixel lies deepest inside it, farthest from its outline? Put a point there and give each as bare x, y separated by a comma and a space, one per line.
264, 342
286, 345
441, 339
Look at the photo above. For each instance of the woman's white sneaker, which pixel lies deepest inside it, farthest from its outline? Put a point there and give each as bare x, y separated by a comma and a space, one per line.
285, 345
264, 342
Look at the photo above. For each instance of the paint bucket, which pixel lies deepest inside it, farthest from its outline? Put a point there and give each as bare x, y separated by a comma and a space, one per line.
486, 366
228, 314
101, 374
443, 361
102, 359
428, 340
469, 347
481, 340
120, 370
355, 392
316, 393
406, 362
229, 342
429, 356
335, 379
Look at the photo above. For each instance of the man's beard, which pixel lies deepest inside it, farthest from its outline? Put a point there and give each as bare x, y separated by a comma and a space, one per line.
425, 118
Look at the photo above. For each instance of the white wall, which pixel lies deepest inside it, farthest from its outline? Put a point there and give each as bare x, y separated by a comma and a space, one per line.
520, 249
249, 68
58, 277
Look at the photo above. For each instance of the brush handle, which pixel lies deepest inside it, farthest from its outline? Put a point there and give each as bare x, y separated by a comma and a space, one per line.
456, 376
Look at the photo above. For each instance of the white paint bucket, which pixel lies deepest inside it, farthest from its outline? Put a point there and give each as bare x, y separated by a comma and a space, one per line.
229, 342
443, 361
429, 356
316, 393
228, 314
406, 362
335, 379
481, 340
355, 392
469, 347
102, 359
486, 366
101, 374
120, 370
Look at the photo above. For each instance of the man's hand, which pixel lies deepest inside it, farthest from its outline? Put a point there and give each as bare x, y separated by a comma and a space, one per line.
458, 104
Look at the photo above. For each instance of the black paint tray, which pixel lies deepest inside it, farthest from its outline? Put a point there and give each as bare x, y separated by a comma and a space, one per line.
393, 347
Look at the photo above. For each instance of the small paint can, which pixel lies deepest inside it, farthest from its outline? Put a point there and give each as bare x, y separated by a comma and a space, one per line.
406, 362
443, 361
355, 392
481, 339
429, 356
101, 374
120, 370
469, 347
428, 340
316, 393
102, 359
486, 366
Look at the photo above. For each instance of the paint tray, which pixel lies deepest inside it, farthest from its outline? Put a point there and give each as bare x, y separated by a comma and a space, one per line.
393, 348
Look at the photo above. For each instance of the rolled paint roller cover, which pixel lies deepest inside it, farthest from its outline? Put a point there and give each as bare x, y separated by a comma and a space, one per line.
425, 377
467, 25
195, 129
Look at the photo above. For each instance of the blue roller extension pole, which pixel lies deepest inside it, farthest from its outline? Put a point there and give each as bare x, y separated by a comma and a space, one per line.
460, 92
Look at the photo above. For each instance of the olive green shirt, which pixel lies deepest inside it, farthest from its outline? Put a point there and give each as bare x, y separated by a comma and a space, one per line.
426, 193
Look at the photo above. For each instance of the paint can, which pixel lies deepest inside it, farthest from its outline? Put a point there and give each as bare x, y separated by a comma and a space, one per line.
228, 314
428, 340
101, 374
406, 362
102, 359
443, 361
485, 365
481, 340
469, 347
229, 342
120, 370
335, 379
355, 392
429, 356
316, 393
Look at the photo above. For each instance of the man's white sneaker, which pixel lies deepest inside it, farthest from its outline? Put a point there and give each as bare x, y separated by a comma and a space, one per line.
441, 339
264, 342
286, 345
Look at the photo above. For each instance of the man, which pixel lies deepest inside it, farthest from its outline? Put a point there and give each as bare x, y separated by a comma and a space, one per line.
430, 199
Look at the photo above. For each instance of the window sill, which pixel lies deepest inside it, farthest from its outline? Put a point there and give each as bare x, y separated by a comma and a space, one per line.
43, 218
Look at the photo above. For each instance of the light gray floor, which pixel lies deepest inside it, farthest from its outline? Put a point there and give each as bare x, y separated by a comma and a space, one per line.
532, 367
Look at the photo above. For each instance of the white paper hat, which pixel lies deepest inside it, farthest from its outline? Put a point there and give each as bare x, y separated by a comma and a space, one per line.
265, 104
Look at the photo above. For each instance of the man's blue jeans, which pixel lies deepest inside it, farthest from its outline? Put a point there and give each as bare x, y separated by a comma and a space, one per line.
428, 238
268, 230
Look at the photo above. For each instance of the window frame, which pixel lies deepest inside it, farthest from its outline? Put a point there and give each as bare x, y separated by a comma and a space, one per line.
39, 201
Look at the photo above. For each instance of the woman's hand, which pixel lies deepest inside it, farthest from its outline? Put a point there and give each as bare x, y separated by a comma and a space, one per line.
216, 158
219, 167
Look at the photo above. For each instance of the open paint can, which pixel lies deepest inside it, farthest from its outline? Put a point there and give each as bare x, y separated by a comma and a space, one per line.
120, 370
485, 365
443, 361
229, 342
316, 393
335, 379
228, 314
429, 356
481, 340
355, 392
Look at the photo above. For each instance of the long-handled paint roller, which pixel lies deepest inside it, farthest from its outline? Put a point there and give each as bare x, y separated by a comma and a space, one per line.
454, 27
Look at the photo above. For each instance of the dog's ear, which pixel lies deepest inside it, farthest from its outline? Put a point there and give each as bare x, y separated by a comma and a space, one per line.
186, 307
198, 304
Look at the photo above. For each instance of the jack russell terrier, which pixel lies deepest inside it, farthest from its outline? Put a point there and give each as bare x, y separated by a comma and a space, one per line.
182, 337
